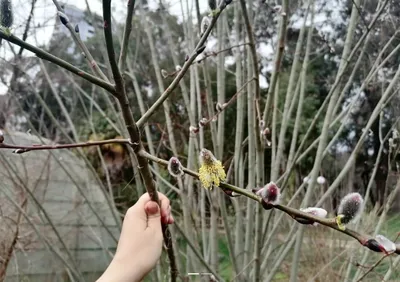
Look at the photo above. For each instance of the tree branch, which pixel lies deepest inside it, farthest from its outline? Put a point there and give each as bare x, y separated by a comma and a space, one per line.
127, 33
197, 51
252, 45
230, 101
51, 58
134, 133
19, 149
365, 240
78, 41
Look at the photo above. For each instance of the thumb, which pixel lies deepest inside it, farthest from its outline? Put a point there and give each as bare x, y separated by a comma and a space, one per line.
153, 215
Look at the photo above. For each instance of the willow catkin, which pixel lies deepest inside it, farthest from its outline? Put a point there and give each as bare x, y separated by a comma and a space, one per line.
6, 13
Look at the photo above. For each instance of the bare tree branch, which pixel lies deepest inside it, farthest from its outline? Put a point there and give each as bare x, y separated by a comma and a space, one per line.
197, 51
134, 133
302, 217
19, 149
51, 58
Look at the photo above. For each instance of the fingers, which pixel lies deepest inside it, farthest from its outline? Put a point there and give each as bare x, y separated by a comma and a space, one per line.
153, 216
166, 217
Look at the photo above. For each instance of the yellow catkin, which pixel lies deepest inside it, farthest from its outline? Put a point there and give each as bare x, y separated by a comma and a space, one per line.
211, 173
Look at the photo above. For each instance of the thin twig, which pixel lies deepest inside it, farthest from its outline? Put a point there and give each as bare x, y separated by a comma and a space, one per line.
231, 100
207, 55
277, 64
19, 149
51, 58
252, 45
197, 51
373, 267
78, 41
244, 268
213, 54
127, 33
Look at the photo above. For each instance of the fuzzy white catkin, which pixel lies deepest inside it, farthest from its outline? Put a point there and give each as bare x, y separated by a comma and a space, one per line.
350, 207
321, 180
315, 212
389, 246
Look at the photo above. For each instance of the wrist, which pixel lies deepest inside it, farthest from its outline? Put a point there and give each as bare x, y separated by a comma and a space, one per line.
118, 272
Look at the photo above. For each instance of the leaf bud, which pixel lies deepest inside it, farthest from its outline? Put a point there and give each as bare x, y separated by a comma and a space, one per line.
175, 167
63, 18
349, 209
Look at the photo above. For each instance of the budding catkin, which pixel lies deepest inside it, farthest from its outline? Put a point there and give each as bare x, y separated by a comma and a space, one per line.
350, 207
6, 13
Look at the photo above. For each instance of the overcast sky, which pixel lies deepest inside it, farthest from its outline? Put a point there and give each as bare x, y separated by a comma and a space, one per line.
44, 18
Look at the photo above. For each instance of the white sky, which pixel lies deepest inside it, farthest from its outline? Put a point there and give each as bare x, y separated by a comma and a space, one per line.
45, 12
45, 18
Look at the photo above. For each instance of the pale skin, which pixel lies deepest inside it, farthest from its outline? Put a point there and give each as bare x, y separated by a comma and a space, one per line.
140, 244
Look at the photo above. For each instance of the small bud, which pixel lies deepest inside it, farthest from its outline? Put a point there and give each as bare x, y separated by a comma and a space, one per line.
205, 23
186, 57
193, 129
261, 124
1, 136
203, 122
321, 180
77, 28
164, 73
313, 211
178, 68
175, 167
373, 245
395, 134
215, 118
388, 245
349, 209
265, 136
227, 2
230, 193
6, 13
201, 49
19, 151
212, 4
270, 193
391, 143
370, 132
219, 107
63, 18
307, 180
277, 8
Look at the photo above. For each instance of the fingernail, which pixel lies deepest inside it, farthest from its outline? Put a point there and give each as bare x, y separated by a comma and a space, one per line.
152, 209
171, 219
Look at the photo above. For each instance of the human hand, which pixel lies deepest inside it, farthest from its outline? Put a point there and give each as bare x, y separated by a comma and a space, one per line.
140, 243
